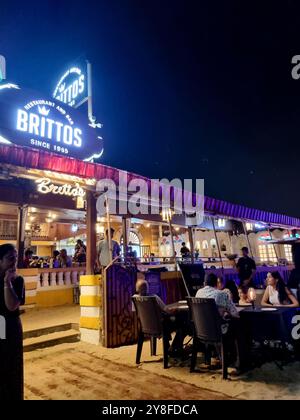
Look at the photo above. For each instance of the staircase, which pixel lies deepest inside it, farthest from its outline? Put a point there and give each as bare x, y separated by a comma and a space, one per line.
51, 336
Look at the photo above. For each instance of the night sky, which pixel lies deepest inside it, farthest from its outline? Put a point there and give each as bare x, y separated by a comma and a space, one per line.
188, 89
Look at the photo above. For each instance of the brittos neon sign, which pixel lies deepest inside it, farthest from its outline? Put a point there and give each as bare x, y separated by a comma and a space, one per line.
47, 124
45, 186
47, 127
72, 88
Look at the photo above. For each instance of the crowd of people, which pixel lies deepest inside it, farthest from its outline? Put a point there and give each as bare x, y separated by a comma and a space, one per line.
228, 296
59, 259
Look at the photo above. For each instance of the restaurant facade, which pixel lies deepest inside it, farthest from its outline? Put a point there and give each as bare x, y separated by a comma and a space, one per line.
49, 190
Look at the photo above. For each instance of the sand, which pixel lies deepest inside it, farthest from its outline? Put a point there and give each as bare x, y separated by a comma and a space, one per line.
81, 371
76, 372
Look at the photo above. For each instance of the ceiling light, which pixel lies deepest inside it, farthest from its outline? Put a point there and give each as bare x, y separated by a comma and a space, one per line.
74, 228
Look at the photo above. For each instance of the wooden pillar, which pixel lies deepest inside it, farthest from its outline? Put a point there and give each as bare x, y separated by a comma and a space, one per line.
91, 309
108, 224
191, 240
22, 216
155, 240
230, 243
172, 242
216, 237
91, 221
125, 235
275, 250
248, 241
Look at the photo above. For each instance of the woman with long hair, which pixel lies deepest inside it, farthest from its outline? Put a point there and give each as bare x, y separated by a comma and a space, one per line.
12, 295
230, 287
277, 293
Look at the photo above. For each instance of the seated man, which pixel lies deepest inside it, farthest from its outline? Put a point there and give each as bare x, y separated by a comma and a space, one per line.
232, 327
142, 289
174, 321
223, 301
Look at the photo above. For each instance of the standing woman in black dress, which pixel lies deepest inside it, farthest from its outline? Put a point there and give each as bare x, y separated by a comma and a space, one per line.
12, 295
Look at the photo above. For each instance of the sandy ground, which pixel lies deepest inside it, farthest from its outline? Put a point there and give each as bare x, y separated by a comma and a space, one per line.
82, 371
46, 317
77, 372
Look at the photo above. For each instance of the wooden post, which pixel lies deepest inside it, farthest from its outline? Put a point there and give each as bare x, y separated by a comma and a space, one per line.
220, 255
172, 241
109, 230
191, 240
275, 250
91, 221
125, 235
230, 243
248, 241
22, 216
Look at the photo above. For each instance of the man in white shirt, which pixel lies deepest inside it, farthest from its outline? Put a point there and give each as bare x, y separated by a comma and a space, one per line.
222, 299
104, 257
232, 328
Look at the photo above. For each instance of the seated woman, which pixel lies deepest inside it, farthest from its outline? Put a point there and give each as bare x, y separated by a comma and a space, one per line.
230, 288
277, 294
243, 297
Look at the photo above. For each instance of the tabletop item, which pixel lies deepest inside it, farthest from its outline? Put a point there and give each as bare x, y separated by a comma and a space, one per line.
269, 309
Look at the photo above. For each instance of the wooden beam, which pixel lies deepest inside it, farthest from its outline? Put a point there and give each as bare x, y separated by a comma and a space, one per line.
191, 240
125, 236
22, 215
218, 245
91, 219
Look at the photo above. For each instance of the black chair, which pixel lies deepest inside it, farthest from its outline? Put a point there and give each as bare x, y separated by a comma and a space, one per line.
207, 330
193, 276
153, 324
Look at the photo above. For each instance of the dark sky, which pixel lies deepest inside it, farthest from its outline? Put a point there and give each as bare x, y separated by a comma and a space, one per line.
188, 89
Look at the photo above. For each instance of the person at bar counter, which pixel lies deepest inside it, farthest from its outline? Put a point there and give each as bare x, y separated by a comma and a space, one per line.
64, 260
54, 261
28, 258
246, 268
34, 263
12, 295
104, 252
184, 251
80, 252
277, 293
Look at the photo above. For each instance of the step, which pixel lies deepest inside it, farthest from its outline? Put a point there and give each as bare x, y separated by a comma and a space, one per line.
50, 340
49, 330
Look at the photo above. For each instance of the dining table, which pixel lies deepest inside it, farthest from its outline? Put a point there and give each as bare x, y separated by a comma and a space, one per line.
268, 323
259, 323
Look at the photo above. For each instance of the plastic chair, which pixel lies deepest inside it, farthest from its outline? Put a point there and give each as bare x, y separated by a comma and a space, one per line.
193, 277
207, 330
152, 324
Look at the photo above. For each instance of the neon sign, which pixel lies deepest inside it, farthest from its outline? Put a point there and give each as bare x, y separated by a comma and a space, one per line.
48, 128
2, 68
29, 120
72, 88
45, 186
265, 237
